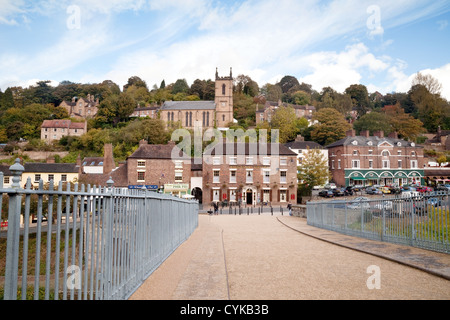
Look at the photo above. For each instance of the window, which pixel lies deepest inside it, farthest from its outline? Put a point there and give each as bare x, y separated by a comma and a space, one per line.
216, 176
51, 177
355, 152
216, 160
223, 89
283, 161
216, 195
141, 176
283, 176
370, 164
178, 176
249, 176
332, 164
233, 176
385, 153
232, 195
266, 176
232, 160
266, 161
64, 177
413, 153
141, 163
339, 163
370, 151
399, 164
399, 152
6, 180
249, 160
283, 195
355, 164
414, 164
266, 195
37, 177
386, 164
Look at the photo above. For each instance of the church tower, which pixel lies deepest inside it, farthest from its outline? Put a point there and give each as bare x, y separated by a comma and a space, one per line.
224, 100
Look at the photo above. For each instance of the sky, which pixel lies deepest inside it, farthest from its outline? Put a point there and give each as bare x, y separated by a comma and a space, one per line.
380, 44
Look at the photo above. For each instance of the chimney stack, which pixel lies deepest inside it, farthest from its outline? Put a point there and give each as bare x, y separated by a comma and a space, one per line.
364, 133
379, 134
350, 133
393, 135
108, 159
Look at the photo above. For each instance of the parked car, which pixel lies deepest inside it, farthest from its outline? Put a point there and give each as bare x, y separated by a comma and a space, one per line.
359, 202
440, 187
330, 186
424, 189
357, 187
387, 206
395, 189
326, 193
348, 191
338, 192
372, 190
385, 190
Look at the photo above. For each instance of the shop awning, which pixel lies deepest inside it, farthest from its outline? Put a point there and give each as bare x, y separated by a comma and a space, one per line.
358, 178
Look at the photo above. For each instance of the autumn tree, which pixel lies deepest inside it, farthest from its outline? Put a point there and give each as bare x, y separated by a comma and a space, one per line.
331, 127
284, 119
404, 124
313, 171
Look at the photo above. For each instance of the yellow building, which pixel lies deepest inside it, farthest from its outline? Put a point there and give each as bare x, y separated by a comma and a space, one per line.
65, 172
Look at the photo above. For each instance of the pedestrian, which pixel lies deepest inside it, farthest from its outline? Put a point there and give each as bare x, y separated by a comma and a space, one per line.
289, 206
216, 208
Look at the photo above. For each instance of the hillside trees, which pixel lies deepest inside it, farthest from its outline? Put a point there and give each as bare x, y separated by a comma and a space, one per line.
331, 127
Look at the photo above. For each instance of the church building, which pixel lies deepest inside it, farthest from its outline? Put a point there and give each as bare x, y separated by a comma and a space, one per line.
210, 114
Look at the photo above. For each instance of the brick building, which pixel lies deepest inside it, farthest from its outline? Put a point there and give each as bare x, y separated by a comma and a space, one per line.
249, 173
81, 108
369, 160
52, 130
160, 167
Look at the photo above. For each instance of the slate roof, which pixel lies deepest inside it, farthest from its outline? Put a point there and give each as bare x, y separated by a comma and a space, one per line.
51, 167
303, 145
159, 151
241, 148
363, 141
189, 105
62, 124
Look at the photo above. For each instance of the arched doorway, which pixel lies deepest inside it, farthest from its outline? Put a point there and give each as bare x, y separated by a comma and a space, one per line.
249, 196
197, 193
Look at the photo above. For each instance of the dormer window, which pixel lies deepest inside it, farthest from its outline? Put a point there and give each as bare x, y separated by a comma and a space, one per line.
354, 142
369, 143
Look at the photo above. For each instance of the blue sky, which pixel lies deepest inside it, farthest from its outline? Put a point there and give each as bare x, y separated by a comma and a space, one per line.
381, 44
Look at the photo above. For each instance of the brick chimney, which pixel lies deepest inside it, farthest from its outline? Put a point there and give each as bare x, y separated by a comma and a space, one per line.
350, 133
299, 138
379, 134
108, 159
143, 142
393, 135
364, 133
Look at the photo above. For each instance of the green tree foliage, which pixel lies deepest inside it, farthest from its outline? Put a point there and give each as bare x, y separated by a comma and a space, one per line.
205, 90
360, 98
314, 170
244, 109
329, 98
272, 91
180, 86
301, 97
287, 83
135, 81
374, 121
331, 127
285, 120
115, 109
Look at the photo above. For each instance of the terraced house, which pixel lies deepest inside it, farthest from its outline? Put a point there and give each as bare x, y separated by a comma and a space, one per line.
369, 160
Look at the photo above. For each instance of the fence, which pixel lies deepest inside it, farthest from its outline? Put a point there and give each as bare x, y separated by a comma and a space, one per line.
420, 220
86, 242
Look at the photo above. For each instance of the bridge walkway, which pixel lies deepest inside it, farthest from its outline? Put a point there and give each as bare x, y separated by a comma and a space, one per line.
265, 257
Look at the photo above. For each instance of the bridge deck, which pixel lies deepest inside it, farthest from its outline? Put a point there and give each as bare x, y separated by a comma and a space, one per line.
272, 257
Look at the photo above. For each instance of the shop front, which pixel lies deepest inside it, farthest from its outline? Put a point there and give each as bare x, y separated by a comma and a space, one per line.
177, 189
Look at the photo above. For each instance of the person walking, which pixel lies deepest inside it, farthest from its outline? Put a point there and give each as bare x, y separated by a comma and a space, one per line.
216, 208
289, 206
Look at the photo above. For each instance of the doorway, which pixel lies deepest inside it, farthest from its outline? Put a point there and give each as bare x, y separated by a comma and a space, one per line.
249, 196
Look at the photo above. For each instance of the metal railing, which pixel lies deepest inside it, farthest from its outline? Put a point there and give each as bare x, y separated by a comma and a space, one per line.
419, 220
82, 242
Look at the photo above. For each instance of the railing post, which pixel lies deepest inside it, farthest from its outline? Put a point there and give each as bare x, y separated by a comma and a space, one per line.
12, 249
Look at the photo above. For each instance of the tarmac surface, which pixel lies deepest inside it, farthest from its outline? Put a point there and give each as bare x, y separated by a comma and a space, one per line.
265, 257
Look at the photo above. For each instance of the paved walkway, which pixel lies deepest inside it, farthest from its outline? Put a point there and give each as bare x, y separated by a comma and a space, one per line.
266, 257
